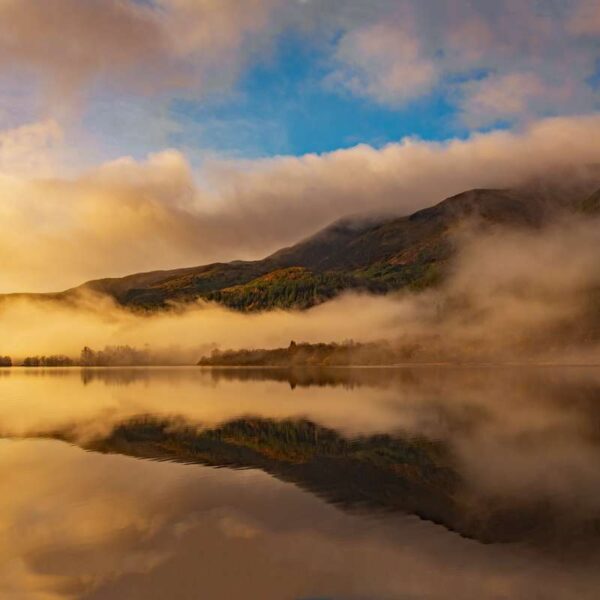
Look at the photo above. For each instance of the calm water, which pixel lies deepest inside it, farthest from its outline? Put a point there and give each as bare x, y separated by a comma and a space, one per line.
333, 484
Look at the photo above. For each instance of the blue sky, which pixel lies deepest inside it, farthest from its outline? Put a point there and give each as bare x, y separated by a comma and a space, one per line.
318, 93
259, 78
285, 106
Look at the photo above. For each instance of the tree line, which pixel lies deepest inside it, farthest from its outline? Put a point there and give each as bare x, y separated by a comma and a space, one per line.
347, 353
110, 356
56, 360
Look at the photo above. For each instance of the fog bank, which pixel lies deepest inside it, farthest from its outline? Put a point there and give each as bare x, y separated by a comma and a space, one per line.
509, 295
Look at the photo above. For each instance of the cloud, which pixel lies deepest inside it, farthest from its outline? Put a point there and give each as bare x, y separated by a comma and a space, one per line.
534, 59
391, 51
512, 97
383, 62
129, 216
109, 70
70, 46
585, 18
69, 43
83, 225
29, 150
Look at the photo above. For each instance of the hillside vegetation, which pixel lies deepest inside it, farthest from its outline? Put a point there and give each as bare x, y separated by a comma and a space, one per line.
375, 256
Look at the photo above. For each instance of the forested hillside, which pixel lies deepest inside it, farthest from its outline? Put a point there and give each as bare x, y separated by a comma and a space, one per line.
371, 255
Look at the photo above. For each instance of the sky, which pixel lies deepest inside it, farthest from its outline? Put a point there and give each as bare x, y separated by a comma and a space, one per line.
137, 135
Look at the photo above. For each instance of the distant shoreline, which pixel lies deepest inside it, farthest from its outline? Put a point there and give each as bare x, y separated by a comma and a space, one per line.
406, 365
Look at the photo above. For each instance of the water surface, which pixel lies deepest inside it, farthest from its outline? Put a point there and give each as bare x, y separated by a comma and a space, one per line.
430, 482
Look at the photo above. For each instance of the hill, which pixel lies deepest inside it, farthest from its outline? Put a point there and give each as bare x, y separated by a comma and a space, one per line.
375, 255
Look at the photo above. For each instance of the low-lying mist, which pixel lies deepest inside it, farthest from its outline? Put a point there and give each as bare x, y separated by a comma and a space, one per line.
508, 295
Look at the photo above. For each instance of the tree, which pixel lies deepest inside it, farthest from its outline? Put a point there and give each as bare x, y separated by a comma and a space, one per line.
88, 358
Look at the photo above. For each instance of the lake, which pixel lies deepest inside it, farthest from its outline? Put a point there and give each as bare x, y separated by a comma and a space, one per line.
429, 482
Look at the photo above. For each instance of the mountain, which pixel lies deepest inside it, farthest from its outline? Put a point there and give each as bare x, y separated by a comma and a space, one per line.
376, 255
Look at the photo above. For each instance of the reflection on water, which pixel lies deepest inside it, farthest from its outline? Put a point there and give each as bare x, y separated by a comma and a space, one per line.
428, 482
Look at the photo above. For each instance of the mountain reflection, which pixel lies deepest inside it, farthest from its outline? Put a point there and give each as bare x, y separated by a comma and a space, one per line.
494, 454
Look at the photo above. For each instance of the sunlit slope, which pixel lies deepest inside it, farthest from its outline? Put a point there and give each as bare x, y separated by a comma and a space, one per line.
374, 255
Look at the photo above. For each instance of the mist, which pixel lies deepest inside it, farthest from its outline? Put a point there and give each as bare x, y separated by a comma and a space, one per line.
510, 295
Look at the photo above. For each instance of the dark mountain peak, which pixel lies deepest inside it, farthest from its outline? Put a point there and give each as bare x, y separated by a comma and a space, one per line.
505, 206
320, 247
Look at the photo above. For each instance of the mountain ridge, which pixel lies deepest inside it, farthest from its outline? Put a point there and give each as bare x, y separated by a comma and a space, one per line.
375, 255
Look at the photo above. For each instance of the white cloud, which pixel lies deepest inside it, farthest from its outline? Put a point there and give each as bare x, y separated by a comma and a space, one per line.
128, 216
383, 62
513, 96
29, 150
537, 60
70, 45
